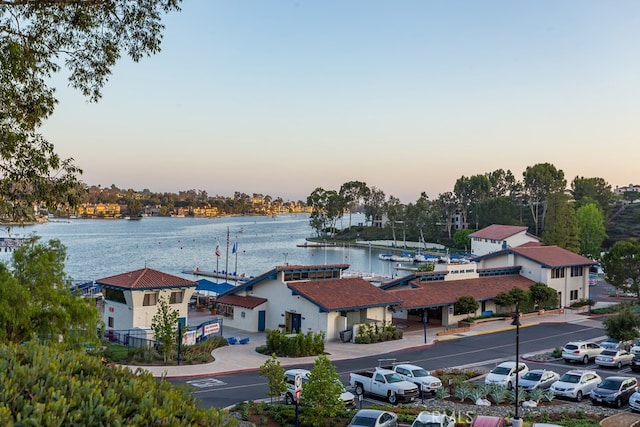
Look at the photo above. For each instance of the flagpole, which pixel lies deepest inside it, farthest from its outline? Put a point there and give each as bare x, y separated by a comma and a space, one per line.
226, 268
235, 247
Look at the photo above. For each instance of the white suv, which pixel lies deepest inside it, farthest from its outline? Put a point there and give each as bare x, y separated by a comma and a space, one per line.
289, 396
581, 351
576, 384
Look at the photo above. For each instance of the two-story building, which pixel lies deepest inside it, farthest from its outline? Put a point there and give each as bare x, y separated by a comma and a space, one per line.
131, 299
497, 237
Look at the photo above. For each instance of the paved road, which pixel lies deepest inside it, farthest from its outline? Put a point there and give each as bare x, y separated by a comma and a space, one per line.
481, 350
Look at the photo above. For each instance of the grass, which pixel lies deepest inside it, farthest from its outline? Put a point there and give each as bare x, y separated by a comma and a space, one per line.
191, 354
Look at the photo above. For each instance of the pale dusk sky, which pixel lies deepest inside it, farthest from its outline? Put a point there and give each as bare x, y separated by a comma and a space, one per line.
279, 97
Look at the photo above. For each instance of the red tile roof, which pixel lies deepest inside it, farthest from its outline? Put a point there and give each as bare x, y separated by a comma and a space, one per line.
249, 302
498, 232
146, 278
552, 256
343, 294
434, 294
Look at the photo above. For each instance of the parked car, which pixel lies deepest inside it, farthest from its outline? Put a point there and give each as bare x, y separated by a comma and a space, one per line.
635, 348
538, 378
614, 391
419, 376
505, 374
612, 343
489, 421
576, 383
634, 401
635, 363
384, 383
614, 358
289, 396
374, 418
433, 419
580, 351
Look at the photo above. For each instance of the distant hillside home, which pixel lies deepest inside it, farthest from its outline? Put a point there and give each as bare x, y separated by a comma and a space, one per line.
558, 268
498, 237
301, 298
131, 299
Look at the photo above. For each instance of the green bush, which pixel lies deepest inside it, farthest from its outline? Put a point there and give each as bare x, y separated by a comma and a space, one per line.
298, 345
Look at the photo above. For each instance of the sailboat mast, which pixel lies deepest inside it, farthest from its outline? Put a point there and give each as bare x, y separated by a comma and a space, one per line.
226, 268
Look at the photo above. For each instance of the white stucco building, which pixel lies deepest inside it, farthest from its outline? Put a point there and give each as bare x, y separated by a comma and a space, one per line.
302, 298
131, 299
497, 237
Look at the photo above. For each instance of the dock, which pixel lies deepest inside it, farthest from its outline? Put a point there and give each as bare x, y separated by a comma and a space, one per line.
10, 243
217, 275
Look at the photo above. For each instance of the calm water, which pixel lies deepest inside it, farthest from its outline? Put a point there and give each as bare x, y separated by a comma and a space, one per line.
102, 248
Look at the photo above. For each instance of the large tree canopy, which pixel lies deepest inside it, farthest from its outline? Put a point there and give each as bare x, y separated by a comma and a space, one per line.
38, 38
621, 266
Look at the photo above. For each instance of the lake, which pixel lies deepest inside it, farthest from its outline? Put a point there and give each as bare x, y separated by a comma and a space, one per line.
102, 248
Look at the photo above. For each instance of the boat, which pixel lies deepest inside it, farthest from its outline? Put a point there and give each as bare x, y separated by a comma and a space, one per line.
241, 230
385, 257
403, 257
424, 258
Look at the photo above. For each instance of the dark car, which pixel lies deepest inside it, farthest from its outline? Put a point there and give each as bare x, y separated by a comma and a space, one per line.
614, 391
635, 363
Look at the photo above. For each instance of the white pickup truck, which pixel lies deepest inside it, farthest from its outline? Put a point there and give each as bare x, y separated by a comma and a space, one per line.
419, 376
385, 383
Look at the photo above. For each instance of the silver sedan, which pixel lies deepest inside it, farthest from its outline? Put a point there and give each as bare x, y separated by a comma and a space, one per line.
538, 378
614, 358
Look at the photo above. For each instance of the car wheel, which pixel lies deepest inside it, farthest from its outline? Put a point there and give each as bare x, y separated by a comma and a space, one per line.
619, 365
618, 402
567, 361
393, 399
585, 359
359, 389
578, 396
288, 399
509, 386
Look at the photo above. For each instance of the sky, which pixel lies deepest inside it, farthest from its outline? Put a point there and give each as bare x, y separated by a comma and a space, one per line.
280, 97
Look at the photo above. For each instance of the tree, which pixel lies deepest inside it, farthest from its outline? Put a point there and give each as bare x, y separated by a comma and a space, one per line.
596, 189
72, 388
395, 215
274, 373
466, 305
540, 181
561, 226
374, 204
462, 240
321, 393
543, 296
352, 193
447, 204
37, 302
621, 266
502, 183
36, 38
326, 208
591, 230
623, 326
165, 328
499, 210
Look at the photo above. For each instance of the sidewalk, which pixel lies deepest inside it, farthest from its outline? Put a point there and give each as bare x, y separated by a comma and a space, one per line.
243, 357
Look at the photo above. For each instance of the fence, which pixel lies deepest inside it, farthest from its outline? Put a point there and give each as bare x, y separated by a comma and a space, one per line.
136, 338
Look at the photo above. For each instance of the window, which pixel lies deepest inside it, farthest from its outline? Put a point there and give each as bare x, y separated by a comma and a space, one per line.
114, 295
573, 295
557, 273
150, 299
176, 297
110, 322
576, 271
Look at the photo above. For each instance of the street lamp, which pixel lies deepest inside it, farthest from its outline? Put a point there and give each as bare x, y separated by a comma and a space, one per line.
517, 422
285, 257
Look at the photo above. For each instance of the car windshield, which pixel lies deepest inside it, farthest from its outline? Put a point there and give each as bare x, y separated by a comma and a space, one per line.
420, 373
609, 385
393, 378
363, 421
417, 423
501, 370
570, 378
609, 353
570, 347
532, 376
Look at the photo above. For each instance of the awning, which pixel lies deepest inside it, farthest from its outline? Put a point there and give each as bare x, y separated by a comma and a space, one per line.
207, 285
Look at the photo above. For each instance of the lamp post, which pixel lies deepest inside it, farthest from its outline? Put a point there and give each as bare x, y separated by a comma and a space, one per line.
517, 422
285, 257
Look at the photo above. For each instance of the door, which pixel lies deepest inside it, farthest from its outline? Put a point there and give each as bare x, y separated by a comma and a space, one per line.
262, 314
296, 320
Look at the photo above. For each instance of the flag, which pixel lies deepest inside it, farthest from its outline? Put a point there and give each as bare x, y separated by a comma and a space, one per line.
235, 247
218, 248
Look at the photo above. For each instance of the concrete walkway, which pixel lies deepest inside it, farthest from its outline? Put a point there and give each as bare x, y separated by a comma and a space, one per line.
243, 357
